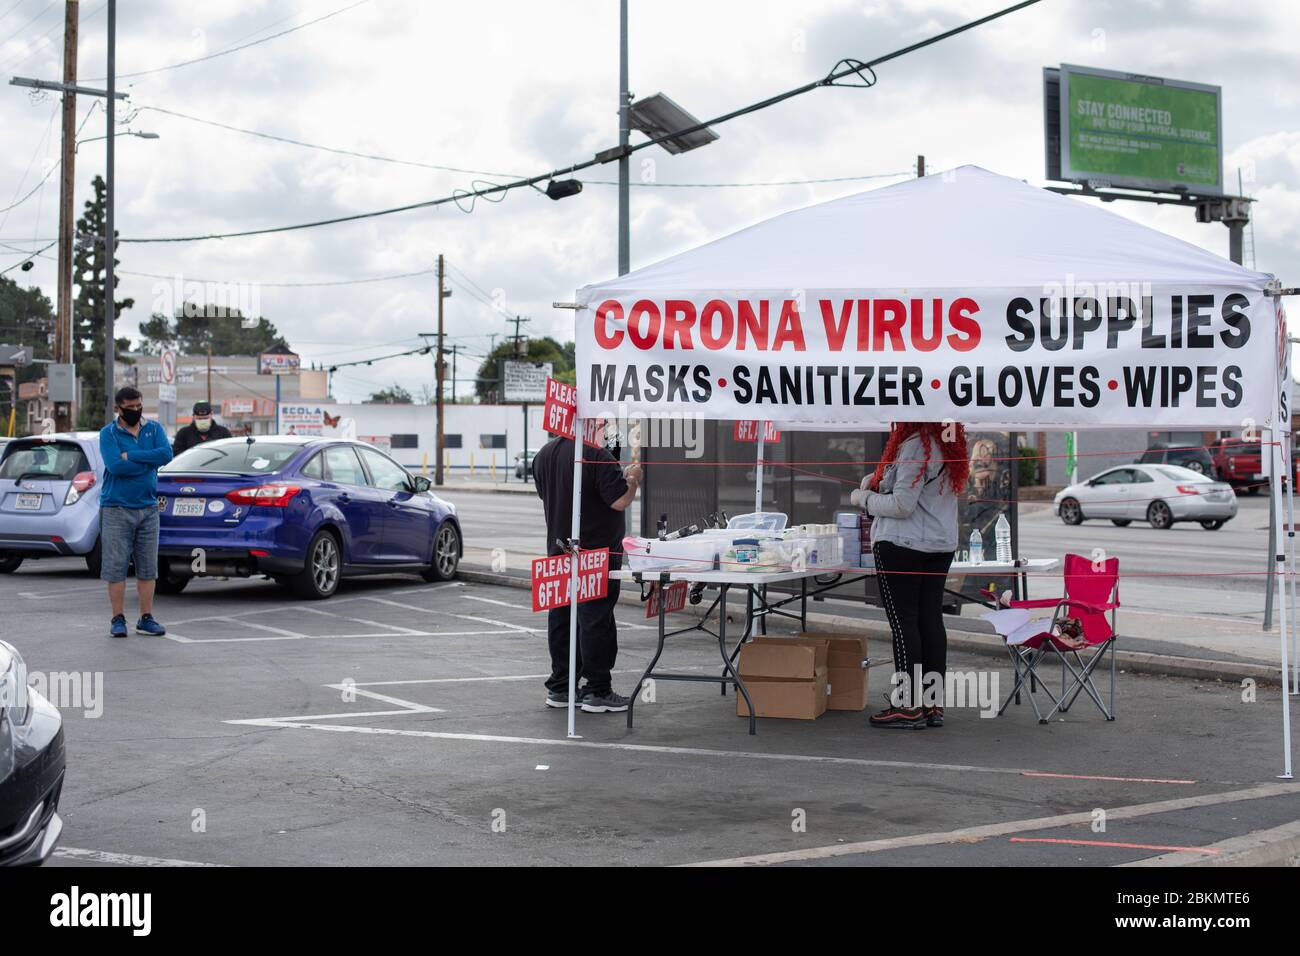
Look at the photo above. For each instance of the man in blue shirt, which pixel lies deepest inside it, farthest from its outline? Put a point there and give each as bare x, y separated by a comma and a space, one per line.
133, 450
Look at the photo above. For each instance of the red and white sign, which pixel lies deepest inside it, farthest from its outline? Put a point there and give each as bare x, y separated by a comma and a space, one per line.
561, 410
746, 429
674, 598
167, 367
553, 576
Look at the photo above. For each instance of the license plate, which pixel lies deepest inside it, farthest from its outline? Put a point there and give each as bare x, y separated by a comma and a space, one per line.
1257, 477
29, 502
188, 507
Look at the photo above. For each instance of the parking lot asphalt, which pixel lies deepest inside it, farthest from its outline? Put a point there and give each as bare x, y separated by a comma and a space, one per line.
403, 723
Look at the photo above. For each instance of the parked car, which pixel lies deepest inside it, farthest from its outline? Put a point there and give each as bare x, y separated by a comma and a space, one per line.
304, 511
1159, 494
32, 761
524, 464
1192, 457
49, 499
1240, 463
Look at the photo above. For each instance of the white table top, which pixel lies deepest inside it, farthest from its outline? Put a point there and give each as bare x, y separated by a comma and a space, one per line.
781, 577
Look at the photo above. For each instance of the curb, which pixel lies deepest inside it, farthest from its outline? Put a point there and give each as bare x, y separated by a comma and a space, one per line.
1279, 846
1136, 662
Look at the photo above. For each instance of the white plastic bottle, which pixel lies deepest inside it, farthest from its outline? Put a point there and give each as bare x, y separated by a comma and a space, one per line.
1002, 532
976, 546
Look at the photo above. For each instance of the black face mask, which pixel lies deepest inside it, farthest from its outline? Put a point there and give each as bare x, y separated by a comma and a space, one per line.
132, 416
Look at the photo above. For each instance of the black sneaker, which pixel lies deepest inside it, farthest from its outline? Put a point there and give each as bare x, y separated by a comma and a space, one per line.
606, 703
899, 718
934, 716
557, 698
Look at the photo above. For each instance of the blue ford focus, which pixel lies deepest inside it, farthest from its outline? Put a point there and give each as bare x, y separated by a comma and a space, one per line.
304, 511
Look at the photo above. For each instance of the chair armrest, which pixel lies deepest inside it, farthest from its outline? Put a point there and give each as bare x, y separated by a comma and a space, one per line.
1036, 602
1096, 608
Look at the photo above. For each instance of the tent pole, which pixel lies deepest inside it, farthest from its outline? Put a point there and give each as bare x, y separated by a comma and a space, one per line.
1288, 460
1279, 567
575, 534
758, 471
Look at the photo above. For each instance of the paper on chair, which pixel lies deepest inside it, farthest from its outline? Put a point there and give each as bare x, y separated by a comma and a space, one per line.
1017, 625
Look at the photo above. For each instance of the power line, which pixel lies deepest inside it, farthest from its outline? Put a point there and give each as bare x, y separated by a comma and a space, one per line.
846, 68
17, 264
44, 10
483, 172
57, 25
236, 49
282, 285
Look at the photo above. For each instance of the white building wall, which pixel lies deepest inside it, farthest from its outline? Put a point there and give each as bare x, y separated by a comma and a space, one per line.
480, 436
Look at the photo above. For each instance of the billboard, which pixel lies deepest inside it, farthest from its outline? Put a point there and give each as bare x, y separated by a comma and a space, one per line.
277, 363
524, 381
1133, 131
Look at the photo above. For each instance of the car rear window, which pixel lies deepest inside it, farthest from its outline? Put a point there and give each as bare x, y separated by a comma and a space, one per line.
1175, 473
234, 458
57, 460
1241, 449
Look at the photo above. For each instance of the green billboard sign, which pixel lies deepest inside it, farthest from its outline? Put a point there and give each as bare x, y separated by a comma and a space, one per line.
1143, 132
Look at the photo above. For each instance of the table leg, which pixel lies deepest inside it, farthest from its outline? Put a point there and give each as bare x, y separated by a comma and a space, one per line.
745, 635
728, 666
803, 604
631, 701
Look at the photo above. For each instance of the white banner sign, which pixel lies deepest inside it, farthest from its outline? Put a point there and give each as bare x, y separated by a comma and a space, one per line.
1083, 356
525, 381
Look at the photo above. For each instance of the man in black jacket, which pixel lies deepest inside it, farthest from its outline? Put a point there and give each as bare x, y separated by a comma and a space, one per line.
201, 429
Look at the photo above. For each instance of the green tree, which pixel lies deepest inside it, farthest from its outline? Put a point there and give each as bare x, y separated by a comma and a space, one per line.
26, 318
545, 349
195, 329
88, 266
394, 395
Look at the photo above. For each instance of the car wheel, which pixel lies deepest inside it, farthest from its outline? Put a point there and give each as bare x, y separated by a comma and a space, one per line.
446, 554
169, 583
1213, 525
1196, 466
320, 578
9, 563
1160, 516
1070, 511
1252, 490
94, 559
1121, 522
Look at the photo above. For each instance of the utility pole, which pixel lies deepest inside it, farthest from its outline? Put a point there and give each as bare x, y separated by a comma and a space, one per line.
437, 471
624, 162
110, 236
453, 350
209, 373
518, 339
63, 331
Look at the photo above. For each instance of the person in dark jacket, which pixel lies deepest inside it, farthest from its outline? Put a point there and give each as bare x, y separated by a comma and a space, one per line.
200, 430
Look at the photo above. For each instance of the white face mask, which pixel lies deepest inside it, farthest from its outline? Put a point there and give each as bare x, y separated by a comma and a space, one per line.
202, 424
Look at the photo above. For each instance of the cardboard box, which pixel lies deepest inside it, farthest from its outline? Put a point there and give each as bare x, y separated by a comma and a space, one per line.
791, 699
786, 658
846, 657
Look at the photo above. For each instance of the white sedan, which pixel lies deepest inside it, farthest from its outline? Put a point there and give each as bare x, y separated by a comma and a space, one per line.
1159, 494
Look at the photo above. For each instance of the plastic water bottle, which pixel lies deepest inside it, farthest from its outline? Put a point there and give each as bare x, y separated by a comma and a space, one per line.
976, 546
1002, 532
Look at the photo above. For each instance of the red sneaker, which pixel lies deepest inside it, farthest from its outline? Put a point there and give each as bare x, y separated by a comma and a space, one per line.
899, 718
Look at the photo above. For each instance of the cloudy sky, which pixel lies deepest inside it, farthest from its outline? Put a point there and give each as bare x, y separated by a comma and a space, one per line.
508, 87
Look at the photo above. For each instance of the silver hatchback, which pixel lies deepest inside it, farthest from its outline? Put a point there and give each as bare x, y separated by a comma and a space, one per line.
1159, 494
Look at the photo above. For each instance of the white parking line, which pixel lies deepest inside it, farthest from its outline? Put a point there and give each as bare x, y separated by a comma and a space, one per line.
122, 859
976, 834
336, 637
359, 620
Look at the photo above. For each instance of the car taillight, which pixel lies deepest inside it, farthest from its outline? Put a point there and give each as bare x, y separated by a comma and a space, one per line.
1189, 490
82, 481
273, 496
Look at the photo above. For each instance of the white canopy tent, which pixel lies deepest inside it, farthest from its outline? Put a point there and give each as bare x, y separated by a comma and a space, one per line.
963, 295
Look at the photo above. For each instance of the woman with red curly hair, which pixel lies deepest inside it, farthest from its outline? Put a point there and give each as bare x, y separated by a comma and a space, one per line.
912, 498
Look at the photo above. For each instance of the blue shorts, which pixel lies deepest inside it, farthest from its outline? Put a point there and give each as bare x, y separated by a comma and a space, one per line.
127, 534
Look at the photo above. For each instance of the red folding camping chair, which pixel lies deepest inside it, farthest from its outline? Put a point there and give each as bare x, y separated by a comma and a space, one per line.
1091, 597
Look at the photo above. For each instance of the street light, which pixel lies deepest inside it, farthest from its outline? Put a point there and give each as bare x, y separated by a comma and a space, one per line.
658, 116
138, 135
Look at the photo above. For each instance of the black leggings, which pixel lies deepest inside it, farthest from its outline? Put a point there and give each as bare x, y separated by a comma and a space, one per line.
914, 603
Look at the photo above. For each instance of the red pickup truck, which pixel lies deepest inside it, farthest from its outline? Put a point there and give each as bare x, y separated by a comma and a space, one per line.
1241, 464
